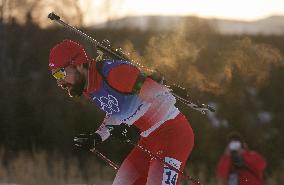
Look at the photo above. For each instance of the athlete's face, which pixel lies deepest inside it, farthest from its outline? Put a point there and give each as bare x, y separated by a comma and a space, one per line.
71, 80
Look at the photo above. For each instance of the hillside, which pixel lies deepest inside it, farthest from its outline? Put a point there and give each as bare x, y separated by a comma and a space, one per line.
273, 25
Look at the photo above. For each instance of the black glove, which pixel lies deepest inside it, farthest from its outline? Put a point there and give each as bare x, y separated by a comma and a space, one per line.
87, 141
122, 131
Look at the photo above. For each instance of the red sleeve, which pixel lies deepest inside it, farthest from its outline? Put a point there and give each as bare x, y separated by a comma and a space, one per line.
254, 162
223, 167
123, 77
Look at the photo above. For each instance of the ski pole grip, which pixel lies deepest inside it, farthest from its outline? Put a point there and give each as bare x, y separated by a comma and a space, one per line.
53, 16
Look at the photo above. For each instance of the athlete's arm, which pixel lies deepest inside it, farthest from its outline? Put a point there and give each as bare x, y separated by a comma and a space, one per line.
123, 77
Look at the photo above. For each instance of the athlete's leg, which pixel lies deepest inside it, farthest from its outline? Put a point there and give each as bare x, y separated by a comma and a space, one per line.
134, 169
173, 142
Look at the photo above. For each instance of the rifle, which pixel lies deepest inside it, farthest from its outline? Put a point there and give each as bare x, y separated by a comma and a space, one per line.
105, 50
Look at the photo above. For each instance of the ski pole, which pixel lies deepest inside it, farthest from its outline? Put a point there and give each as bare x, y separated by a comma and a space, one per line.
103, 157
118, 131
116, 167
151, 154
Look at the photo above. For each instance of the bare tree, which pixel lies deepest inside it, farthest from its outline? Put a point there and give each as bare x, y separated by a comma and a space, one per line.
37, 10
2, 4
6, 10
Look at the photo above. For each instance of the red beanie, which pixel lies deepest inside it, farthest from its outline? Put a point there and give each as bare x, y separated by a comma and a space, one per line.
66, 53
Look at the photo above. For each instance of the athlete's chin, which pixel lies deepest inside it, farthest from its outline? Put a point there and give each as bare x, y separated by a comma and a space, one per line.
76, 89
75, 92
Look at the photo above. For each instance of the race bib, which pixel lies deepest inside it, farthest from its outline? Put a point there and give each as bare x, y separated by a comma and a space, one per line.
170, 176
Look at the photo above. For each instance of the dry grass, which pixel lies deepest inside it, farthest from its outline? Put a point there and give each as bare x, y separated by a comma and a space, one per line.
39, 168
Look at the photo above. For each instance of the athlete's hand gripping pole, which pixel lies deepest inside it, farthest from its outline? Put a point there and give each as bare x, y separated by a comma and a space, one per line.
89, 142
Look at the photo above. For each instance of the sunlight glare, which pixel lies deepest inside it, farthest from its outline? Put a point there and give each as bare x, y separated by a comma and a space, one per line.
245, 10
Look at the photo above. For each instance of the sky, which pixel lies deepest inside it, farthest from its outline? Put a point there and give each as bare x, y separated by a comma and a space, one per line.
246, 10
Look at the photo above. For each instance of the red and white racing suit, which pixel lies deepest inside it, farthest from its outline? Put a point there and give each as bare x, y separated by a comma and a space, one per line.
165, 131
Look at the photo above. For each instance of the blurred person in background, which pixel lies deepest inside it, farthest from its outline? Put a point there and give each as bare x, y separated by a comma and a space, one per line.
239, 165
128, 97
